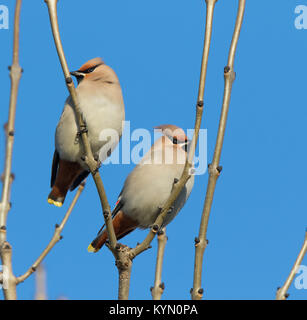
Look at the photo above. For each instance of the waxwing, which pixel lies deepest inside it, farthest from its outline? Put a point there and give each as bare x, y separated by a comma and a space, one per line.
149, 185
102, 108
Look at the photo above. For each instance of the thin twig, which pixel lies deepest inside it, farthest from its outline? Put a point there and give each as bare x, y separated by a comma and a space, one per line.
282, 292
214, 167
5, 248
56, 237
158, 288
15, 75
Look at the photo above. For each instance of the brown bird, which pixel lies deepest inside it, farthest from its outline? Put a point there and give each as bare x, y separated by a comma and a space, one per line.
102, 108
149, 185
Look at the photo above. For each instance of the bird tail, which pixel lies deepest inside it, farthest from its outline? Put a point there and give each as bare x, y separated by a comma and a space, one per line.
64, 175
122, 226
57, 196
98, 242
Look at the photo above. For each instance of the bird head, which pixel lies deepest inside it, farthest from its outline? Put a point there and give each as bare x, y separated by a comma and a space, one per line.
96, 70
175, 134
88, 68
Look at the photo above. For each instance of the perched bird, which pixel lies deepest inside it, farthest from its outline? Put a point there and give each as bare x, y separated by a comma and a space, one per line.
149, 185
102, 108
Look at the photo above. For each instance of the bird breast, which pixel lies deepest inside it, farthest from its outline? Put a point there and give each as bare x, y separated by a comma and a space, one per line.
148, 187
99, 112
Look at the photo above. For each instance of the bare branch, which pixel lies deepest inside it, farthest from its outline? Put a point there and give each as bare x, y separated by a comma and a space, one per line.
56, 237
124, 257
122, 260
214, 167
9, 287
89, 158
282, 292
188, 170
124, 266
158, 288
15, 75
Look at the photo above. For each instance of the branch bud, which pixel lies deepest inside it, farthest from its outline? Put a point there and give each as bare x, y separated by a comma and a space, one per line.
68, 80
226, 69
219, 169
200, 103
197, 241
162, 286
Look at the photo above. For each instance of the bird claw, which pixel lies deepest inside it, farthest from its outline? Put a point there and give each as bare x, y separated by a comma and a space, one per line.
83, 129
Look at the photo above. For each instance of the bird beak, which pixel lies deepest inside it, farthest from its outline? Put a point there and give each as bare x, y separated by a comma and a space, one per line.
77, 74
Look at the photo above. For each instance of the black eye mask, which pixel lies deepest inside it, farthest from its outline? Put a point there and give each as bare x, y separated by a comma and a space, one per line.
91, 69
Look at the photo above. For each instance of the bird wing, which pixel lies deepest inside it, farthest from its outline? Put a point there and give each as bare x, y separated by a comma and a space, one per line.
55, 165
119, 204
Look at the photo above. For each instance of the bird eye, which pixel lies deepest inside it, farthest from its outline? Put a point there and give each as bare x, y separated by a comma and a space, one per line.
175, 141
89, 70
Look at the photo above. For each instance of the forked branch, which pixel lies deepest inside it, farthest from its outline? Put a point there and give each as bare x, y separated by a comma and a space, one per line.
56, 237
7, 278
188, 168
120, 253
125, 255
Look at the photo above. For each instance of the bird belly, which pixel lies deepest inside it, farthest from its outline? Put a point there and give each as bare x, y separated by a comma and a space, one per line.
143, 198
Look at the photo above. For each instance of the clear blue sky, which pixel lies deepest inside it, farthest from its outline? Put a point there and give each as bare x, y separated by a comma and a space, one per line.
258, 218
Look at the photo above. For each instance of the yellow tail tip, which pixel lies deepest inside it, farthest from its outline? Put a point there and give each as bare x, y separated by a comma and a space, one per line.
90, 248
56, 203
